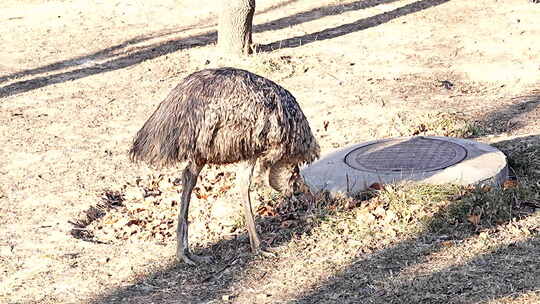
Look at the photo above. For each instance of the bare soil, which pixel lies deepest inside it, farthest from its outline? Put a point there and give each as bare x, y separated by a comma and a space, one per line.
79, 78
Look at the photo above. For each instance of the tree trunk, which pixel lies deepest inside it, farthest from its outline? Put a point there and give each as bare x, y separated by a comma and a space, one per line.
235, 23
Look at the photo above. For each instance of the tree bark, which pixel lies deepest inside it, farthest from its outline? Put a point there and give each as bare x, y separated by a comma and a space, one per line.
235, 26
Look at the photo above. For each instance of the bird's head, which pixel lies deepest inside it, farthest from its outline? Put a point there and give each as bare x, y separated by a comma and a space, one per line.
299, 188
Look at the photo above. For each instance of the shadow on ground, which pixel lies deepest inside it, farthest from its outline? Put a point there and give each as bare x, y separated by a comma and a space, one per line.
381, 277
118, 57
389, 275
233, 263
504, 120
509, 271
356, 26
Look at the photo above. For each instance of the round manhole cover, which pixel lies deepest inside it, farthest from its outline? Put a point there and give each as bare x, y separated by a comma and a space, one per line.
409, 155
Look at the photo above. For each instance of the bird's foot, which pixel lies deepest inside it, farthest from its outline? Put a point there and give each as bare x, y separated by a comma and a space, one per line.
267, 254
264, 252
192, 259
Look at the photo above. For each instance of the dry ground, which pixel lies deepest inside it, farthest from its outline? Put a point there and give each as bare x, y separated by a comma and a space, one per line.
78, 78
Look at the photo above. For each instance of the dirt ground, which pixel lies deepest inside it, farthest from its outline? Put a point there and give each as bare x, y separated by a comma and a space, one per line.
79, 78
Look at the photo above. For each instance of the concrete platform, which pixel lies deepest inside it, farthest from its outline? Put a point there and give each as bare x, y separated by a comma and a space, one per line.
425, 159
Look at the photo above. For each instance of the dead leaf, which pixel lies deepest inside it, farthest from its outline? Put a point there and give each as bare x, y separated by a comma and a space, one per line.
133, 222
376, 186
474, 219
510, 184
447, 243
351, 204
266, 211
202, 196
225, 188
287, 224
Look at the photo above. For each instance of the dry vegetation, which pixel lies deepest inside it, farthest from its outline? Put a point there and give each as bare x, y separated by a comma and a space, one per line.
80, 224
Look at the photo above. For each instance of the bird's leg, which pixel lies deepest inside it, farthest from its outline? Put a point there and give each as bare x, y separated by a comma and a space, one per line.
248, 213
189, 179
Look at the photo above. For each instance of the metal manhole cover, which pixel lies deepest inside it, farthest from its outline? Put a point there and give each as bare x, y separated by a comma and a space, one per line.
418, 154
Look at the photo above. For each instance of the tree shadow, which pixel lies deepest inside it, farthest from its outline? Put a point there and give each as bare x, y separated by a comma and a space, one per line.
382, 277
87, 66
232, 260
317, 13
104, 53
348, 28
503, 119
274, 7
111, 51
119, 57
387, 275
510, 270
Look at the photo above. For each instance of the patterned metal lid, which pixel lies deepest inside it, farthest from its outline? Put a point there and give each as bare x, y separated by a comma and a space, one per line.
407, 155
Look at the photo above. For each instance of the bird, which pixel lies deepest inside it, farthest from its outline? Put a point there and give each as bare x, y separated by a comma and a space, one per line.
223, 116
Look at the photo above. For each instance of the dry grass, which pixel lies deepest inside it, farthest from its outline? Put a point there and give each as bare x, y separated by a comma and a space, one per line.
404, 243
78, 78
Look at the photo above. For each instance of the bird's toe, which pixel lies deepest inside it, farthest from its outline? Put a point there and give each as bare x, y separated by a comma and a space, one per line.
192, 259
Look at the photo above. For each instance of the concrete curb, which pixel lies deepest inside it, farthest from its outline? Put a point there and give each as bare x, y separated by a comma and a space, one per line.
483, 165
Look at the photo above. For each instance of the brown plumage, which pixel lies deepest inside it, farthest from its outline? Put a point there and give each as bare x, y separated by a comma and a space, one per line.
223, 116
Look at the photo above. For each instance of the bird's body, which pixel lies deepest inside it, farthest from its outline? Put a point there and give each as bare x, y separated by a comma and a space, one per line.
223, 116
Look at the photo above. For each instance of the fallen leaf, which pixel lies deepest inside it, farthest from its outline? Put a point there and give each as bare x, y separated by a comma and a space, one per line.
202, 196
510, 184
225, 188
447, 243
287, 224
352, 204
376, 186
474, 219
133, 222
266, 211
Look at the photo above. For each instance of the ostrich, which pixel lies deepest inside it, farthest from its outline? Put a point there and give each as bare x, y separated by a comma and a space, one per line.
224, 116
